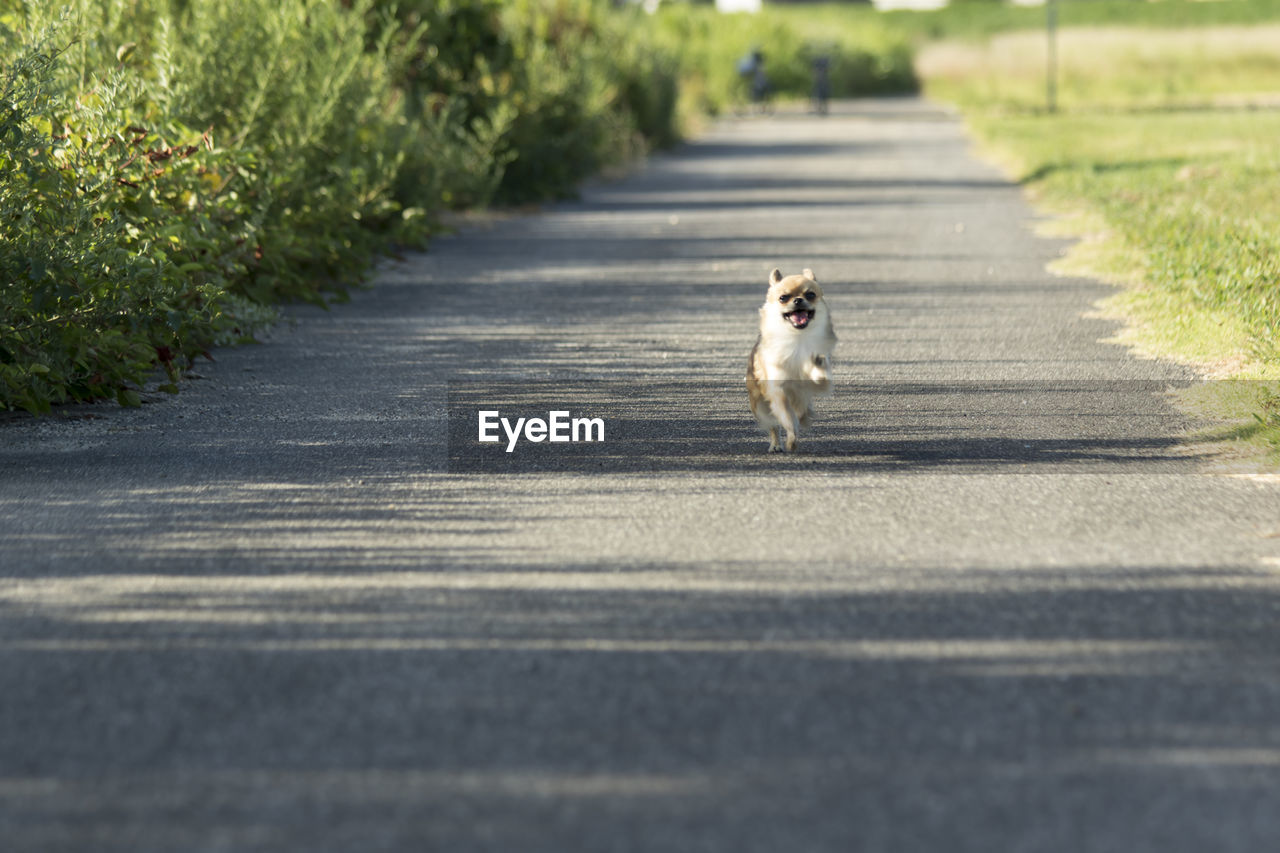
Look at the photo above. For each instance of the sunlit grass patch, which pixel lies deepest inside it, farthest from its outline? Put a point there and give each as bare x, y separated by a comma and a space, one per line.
1186, 207
1116, 68
980, 20
1171, 183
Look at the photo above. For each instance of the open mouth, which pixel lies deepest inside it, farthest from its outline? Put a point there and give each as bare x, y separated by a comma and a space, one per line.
799, 319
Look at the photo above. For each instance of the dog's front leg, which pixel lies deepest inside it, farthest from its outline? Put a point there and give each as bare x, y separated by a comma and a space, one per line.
783, 414
818, 374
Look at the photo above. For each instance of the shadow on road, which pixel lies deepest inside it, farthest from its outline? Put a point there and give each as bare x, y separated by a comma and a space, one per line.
551, 708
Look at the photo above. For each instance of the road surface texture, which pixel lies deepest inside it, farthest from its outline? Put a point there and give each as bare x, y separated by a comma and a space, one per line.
994, 604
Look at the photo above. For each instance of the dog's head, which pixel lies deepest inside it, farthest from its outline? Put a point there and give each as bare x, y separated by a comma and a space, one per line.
796, 299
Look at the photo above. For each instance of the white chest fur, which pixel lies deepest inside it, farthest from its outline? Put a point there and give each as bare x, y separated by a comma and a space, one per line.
788, 353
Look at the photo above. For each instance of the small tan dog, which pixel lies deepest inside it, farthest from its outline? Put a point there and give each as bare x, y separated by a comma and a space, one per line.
789, 364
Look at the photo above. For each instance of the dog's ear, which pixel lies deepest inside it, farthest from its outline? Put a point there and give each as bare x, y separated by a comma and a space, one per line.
808, 273
775, 277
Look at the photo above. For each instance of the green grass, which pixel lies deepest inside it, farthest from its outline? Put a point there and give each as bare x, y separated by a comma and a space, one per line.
980, 19
1180, 205
1123, 69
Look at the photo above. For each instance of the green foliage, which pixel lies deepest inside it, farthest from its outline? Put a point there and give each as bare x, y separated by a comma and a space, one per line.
116, 239
167, 168
315, 104
558, 88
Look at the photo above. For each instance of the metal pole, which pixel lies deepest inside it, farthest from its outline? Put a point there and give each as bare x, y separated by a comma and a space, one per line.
1051, 72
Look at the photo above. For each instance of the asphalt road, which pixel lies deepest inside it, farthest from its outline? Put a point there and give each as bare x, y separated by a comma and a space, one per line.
996, 602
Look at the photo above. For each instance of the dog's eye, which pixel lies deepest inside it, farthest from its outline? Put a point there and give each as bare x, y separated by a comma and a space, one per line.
809, 295
784, 298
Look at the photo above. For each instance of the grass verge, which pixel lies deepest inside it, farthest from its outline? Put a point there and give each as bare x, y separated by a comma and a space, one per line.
1164, 158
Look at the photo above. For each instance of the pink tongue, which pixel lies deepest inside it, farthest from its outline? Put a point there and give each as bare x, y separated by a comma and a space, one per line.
800, 319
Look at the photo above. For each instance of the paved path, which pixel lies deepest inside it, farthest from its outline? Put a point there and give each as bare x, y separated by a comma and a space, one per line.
994, 605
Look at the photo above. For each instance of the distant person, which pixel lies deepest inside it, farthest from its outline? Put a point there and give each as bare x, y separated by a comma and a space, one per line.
759, 80
821, 84
751, 70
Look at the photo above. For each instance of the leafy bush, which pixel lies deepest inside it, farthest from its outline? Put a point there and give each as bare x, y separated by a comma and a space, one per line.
116, 240
309, 90
558, 88
147, 203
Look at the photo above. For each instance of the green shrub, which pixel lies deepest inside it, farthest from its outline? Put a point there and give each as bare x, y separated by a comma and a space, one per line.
116, 239
309, 90
585, 86
146, 201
